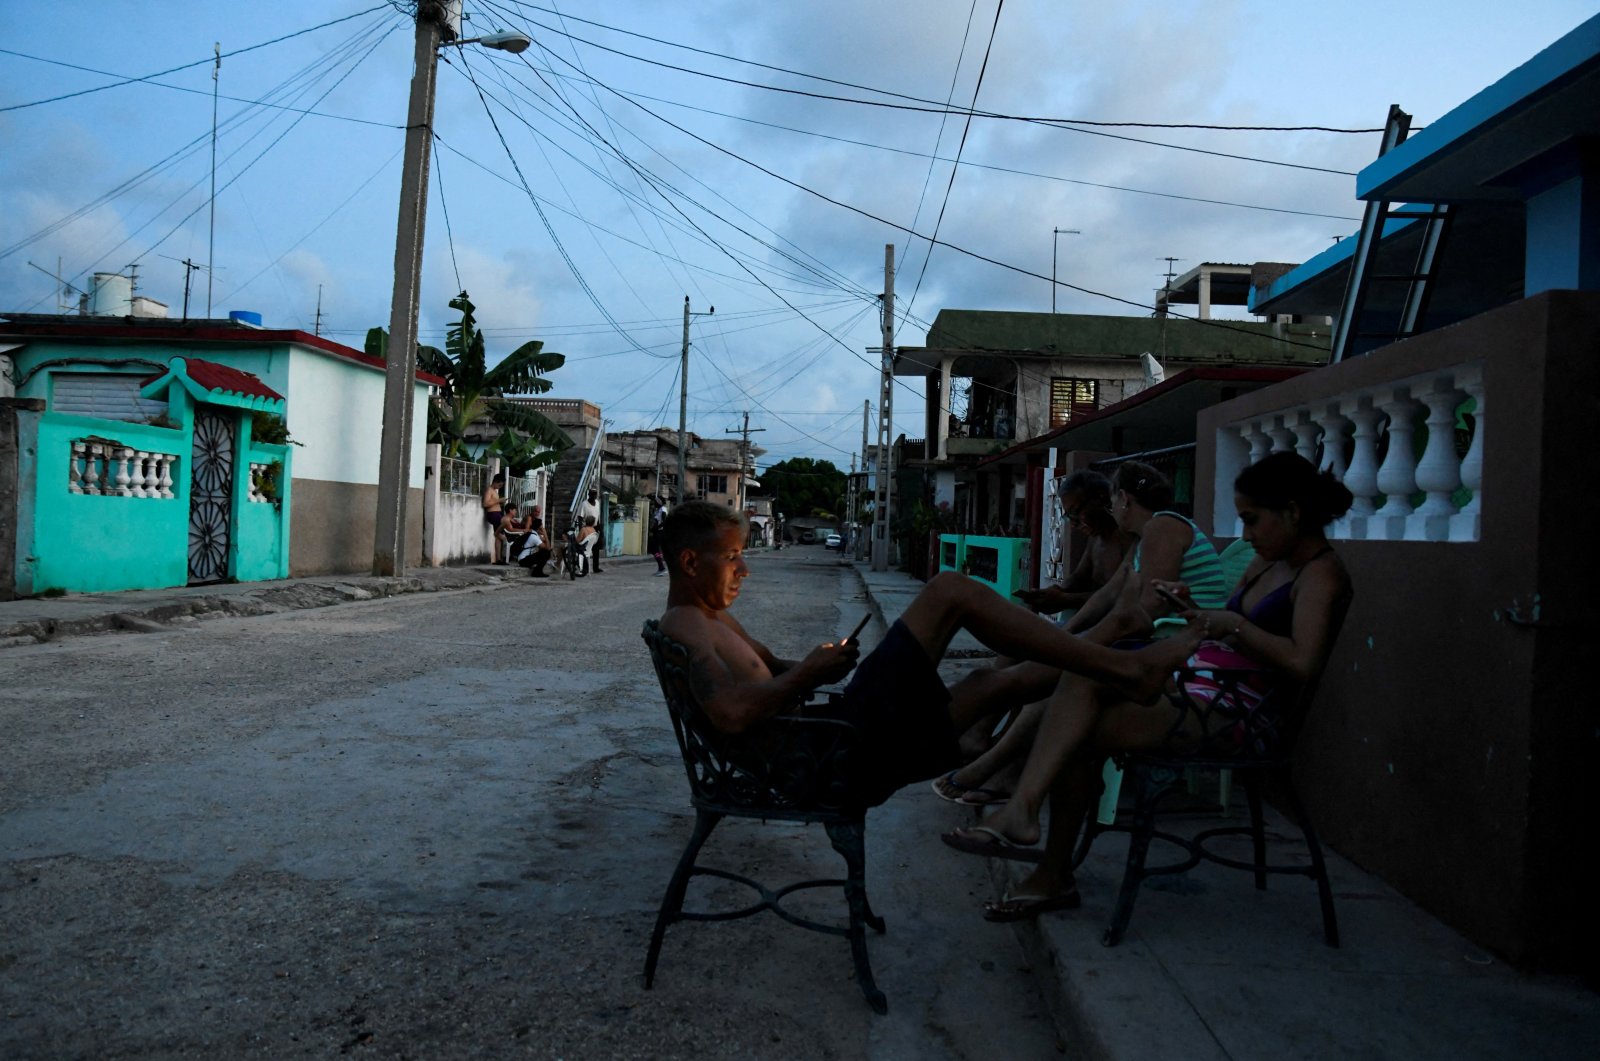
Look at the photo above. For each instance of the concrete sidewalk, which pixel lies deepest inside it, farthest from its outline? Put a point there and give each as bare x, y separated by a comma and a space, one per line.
33, 619
1212, 968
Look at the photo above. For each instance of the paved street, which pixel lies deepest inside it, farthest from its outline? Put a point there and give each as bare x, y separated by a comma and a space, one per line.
438, 826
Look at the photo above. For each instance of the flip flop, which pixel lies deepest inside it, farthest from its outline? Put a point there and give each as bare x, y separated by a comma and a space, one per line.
1021, 907
950, 790
992, 843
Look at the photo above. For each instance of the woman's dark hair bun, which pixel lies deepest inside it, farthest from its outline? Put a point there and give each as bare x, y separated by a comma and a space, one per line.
1279, 480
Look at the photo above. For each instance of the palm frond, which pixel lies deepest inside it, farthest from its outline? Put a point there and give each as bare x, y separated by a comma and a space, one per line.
523, 370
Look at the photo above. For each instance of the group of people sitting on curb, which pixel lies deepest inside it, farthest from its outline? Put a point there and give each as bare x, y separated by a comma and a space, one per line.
519, 537
1071, 693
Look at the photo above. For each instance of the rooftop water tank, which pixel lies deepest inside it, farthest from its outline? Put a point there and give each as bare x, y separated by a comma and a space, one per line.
110, 295
247, 317
148, 307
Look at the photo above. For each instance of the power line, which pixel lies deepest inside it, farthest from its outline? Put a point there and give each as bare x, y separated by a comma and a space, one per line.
186, 66
1089, 128
200, 92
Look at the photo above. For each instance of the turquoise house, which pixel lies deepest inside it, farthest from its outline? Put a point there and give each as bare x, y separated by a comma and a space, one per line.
142, 453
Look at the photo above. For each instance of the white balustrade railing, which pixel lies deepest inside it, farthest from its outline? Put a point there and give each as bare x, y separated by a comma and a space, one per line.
108, 469
1367, 439
259, 473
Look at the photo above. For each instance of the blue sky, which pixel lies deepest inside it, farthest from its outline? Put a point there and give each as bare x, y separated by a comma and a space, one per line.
655, 182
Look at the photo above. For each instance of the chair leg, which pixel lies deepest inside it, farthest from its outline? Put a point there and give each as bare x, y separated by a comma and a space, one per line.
1258, 838
1143, 830
672, 901
848, 839
1319, 867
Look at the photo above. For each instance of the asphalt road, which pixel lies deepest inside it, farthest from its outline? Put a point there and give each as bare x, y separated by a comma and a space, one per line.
438, 826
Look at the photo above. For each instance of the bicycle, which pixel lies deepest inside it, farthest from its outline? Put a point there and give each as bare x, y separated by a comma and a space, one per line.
574, 559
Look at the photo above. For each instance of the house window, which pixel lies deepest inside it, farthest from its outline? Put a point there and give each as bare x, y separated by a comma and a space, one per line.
1072, 398
713, 484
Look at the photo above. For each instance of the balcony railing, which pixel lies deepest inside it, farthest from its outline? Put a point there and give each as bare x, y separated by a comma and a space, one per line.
1369, 439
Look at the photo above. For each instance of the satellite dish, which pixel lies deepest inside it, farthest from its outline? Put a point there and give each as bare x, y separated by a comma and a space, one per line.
1153, 372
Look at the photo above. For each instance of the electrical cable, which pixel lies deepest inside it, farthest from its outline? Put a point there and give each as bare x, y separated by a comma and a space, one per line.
202, 92
444, 208
954, 169
916, 99
197, 62
929, 107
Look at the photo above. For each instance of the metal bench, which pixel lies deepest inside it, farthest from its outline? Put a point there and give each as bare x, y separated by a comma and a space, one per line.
792, 768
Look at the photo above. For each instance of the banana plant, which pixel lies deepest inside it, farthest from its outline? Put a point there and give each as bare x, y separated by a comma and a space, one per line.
473, 391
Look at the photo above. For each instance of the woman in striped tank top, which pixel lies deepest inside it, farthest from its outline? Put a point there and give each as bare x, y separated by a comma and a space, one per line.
1170, 548
1282, 619
1141, 503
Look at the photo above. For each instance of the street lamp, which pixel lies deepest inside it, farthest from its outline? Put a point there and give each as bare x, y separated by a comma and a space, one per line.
438, 23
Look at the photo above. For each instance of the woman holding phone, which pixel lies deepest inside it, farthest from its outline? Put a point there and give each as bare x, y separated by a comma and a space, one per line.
1168, 549
1282, 618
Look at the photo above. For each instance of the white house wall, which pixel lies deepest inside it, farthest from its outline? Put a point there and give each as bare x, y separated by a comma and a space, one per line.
338, 406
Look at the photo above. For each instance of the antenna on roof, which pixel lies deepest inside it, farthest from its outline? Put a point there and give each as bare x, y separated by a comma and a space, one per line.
188, 274
1164, 292
62, 287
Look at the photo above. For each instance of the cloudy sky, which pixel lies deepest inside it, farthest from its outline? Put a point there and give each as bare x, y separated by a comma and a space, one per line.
754, 157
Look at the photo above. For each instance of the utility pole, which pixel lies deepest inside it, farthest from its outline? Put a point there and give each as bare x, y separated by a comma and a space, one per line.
316, 327
683, 401
744, 452
881, 509
438, 22
1055, 241
861, 539
400, 367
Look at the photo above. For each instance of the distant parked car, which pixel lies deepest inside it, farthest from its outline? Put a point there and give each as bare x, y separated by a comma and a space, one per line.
834, 541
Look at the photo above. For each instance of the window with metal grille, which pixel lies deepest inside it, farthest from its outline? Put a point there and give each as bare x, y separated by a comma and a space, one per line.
713, 484
1072, 398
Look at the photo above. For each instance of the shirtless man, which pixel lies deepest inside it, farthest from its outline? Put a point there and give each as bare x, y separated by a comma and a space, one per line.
901, 708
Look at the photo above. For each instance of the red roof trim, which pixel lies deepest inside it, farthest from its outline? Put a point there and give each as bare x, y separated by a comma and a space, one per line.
243, 336
215, 377
1221, 373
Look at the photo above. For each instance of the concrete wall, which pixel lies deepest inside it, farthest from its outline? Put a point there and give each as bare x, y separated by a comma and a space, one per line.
11, 409
334, 525
97, 543
1451, 746
460, 536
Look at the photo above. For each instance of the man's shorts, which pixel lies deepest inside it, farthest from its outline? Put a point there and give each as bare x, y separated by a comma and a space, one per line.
901, 709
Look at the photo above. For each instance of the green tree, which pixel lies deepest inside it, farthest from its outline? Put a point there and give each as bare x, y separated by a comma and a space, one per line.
805, 487
473, 391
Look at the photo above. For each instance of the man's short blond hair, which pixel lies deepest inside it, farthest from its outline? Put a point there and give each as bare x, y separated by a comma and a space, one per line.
695, 525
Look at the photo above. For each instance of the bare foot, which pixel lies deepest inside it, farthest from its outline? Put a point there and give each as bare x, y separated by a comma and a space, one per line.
1153, 666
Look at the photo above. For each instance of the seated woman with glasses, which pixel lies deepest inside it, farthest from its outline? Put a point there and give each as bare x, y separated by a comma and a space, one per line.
1281, 620
1168, 548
